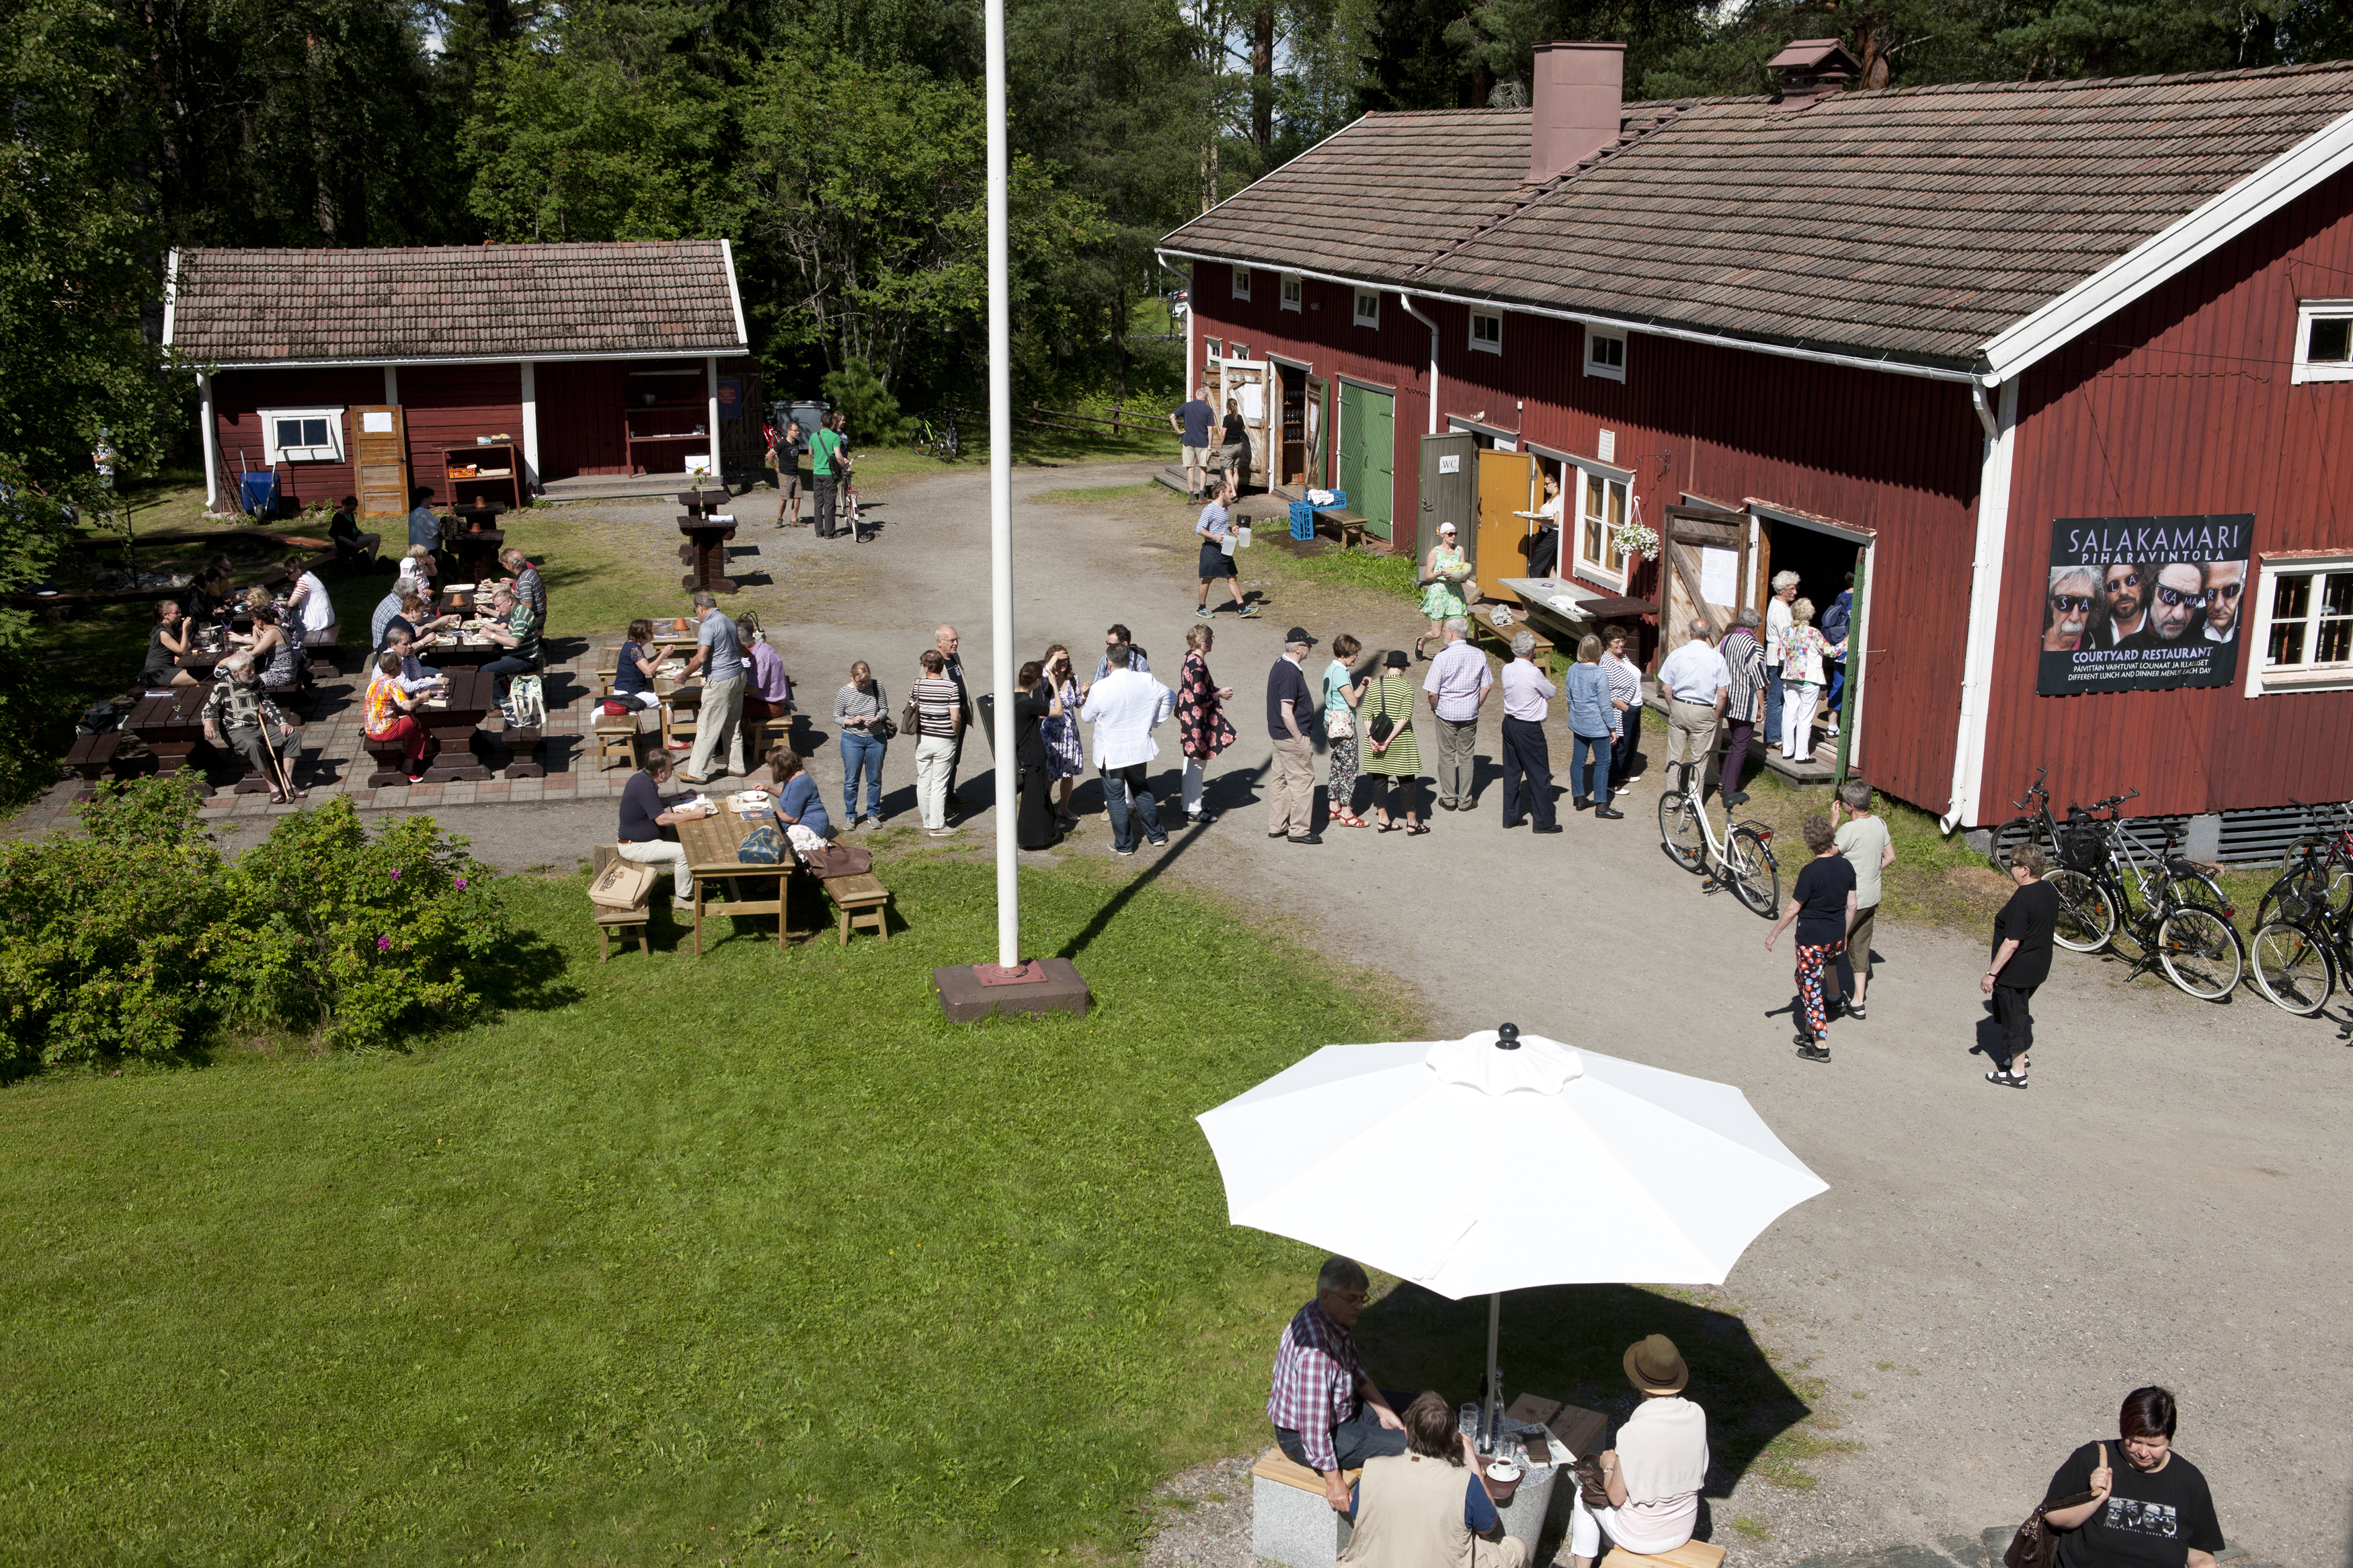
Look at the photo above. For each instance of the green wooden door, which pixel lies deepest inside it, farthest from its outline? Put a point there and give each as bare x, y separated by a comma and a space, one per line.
1368, 455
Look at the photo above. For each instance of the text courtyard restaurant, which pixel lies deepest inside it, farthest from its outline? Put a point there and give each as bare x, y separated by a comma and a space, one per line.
2060, 369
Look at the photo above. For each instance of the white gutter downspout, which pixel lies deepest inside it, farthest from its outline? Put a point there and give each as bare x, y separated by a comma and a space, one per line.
1186, 279
1984, 600
1407, 301
212, 450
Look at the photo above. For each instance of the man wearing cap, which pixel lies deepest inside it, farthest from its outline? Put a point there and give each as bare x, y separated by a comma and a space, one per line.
1328, 1414
1457, 687
1654, 1475
1290, 707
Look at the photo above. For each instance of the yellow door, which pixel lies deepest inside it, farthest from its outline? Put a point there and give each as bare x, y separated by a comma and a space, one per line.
1507, 488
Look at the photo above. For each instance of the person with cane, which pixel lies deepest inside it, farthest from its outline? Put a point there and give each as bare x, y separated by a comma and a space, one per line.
240, 717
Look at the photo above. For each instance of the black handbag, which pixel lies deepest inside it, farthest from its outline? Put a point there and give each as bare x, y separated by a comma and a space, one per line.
1380, 727
2036, 1544
882, 728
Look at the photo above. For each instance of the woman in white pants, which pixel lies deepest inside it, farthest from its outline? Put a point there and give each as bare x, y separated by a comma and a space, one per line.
1802, 649
940, 720
1654, 1475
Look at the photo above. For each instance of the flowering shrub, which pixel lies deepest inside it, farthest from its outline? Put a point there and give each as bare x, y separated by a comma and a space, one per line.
354, 936
105, 940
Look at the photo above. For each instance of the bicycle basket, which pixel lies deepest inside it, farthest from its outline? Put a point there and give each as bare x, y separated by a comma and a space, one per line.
2083, 848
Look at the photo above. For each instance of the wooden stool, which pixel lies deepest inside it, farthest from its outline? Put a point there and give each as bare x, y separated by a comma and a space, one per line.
760, 734
617, 736
864, 904
610, 921
1689, 1555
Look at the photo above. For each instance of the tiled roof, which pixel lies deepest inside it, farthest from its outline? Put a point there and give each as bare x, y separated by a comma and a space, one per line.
483, 301
1918, 223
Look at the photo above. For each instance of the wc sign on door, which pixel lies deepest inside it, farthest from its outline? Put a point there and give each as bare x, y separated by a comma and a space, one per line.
1449, 465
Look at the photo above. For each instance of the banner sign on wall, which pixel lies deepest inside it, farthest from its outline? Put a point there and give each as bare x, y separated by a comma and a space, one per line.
2144, 604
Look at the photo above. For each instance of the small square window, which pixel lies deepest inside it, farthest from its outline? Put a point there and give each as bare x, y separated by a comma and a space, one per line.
1292, 292
1605, 354
1241, 282
1487, 331
2323, 341
1368, 308
2306, 628
301, 434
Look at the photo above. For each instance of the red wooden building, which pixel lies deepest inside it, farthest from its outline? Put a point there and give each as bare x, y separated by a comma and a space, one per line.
1999, 338
573, 359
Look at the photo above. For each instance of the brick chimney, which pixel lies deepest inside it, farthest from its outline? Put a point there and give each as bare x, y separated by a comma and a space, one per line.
1577, 97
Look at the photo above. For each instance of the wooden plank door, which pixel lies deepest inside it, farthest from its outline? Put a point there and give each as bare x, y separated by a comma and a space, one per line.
1700, 550
1508, 487
1368, 456
1450, 489
379, 437
1319, 423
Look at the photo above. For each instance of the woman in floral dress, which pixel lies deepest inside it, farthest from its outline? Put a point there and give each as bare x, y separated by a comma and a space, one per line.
1066, 758
1340, 698
1200, 719
1441, 597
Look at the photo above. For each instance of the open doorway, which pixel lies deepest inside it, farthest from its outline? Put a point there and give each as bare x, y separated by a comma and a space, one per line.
1289, 464
1825, 557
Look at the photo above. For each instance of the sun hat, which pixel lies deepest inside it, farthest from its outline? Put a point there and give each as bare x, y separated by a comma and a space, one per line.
1446, 528
1655, 1366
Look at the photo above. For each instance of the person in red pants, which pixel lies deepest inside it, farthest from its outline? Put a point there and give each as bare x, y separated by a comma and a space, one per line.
391, 716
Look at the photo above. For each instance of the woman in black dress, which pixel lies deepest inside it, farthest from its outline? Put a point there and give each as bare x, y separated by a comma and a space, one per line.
1036, 700
1236, 453
173, 635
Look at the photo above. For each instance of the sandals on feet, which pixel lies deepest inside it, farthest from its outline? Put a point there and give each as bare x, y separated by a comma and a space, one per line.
1417, 828
1349, 819
2006, 1079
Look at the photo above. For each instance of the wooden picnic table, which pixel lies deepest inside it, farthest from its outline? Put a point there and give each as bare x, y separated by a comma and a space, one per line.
710, 844
170, 726
453, 720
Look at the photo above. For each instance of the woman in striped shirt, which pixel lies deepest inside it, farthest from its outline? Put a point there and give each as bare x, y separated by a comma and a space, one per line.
1625, 706
939, 723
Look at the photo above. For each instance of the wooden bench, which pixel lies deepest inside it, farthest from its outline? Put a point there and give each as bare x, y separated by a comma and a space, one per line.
864, 903
617, 737
89, 757
523, 759
391, 761
1689, 1555
1484, 630
1348, 525
1291, 1520
610, 921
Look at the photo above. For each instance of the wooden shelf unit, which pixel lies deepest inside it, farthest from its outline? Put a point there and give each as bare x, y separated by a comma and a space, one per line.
506, 487
661, 433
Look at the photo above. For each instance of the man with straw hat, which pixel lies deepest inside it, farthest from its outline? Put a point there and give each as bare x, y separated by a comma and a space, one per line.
1645, 1492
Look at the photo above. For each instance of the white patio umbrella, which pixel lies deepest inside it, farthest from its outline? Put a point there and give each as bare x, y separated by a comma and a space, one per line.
1414, 1157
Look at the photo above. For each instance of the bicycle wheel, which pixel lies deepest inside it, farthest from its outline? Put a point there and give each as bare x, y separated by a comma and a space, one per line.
2087, 912
949, 446
2293, 967
1748, 866
2293, 897
2193, 888
2200, 952
2017, 832
1680, 831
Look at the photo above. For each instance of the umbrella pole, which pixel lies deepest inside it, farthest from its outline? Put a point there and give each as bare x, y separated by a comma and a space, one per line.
1494, 1378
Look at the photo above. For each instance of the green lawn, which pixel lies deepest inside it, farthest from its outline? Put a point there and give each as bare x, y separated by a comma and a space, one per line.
698, 1261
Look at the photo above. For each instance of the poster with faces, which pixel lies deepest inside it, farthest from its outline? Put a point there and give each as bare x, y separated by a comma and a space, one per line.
2144, 604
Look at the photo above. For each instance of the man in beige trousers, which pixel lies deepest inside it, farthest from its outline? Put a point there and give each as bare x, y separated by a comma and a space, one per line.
1290, 707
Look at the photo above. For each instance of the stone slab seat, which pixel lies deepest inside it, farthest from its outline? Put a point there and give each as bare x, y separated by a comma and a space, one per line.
1291, 1521
1689, 1555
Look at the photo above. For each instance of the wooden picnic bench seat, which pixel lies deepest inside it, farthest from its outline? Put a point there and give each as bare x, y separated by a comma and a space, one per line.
1349, 525
524, 747
610, 921
617, 737
862, 901
391, 761
1689, 1555
90, 756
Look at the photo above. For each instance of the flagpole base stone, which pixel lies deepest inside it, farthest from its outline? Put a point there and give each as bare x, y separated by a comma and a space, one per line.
971, 991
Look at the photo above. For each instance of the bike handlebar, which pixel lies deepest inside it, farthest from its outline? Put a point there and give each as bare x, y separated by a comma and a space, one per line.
2033, 789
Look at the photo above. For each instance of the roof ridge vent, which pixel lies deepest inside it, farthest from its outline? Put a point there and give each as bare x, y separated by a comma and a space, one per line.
1810, 68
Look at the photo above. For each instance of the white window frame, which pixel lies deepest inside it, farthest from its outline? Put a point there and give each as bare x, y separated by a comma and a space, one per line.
332, 452
1368, 319
2256, 635
1293, 292
1573, 522
1241, 282
1604, 335
1493, 345
2307, 312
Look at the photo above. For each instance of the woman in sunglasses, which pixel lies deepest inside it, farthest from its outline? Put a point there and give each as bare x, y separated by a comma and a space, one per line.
2067, 619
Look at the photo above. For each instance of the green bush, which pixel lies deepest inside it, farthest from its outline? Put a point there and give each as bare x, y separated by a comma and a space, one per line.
869, 410
354, 937
108, 937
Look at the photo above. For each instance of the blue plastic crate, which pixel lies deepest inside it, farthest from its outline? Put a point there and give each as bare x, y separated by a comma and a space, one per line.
1302, 520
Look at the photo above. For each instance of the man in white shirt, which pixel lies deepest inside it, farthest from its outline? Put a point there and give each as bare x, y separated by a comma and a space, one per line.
1862, 839
1654, 1475
1457, 688
1778, 624
1694, 680
1124, 707
1527, 762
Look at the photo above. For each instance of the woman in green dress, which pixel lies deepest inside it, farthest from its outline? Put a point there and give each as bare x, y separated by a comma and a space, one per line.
1389, 695
1445, 571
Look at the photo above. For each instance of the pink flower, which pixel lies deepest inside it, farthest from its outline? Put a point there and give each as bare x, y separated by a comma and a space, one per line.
461, 884
383, 944
395, 876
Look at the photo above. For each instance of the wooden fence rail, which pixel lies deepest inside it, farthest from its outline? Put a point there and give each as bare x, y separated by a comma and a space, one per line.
1039, 416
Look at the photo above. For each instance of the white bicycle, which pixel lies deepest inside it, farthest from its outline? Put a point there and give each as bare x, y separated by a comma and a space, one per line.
1741, 859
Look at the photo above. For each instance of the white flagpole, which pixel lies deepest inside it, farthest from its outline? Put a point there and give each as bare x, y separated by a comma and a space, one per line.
1000, 500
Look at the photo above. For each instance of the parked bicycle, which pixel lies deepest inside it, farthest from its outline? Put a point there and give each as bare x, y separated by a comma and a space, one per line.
2300, 960
1740, 858
2101, 870
2316, 878
938, 439
2041, 827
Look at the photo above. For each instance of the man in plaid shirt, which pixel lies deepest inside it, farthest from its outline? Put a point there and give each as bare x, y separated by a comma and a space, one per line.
1328, 1411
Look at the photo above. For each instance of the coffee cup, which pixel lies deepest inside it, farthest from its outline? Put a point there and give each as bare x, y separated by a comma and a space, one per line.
1503, 1479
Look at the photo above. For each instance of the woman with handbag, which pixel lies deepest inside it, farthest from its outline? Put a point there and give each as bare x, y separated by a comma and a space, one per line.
1340, 698
863, 715
1066, 754
1389, 751
1201, 722
2154, 1510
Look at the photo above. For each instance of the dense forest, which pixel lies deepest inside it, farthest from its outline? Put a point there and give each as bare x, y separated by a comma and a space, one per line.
837, 141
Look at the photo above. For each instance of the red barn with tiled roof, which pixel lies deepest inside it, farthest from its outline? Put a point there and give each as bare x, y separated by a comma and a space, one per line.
1904, 332
571, 353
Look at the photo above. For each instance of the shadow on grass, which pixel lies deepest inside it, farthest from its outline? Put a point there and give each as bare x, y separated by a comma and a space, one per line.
1568, 1341
1178, 842
531, 975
